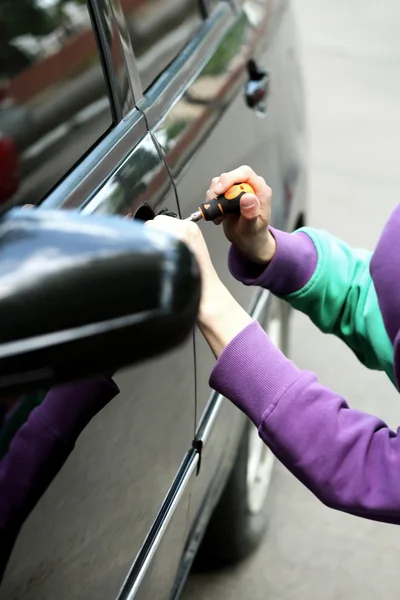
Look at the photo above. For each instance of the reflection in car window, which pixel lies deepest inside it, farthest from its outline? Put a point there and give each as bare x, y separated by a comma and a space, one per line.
53, 97
159, 30
37, 434
189, 119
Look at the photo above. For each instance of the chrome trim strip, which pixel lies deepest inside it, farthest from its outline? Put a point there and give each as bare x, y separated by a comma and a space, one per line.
153, 548
260, 303
215, 400
171, 84
128, 53
99, 12
95, 169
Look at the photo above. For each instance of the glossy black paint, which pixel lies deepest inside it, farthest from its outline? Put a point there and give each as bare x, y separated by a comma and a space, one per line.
136, 497
54, 99
62, 315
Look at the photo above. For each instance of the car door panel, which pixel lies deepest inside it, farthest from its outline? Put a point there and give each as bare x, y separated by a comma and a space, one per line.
157, 572
95, 517
213, 131
206, 128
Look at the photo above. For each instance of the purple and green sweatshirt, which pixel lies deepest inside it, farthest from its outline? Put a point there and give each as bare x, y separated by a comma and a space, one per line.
349, 459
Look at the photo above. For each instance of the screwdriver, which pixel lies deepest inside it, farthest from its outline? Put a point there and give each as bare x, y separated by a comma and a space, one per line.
227, 203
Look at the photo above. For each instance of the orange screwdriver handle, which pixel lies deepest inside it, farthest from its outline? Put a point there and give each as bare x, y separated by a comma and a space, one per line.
228, 203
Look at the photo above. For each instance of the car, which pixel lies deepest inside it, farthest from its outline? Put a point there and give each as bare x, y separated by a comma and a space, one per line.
134, 106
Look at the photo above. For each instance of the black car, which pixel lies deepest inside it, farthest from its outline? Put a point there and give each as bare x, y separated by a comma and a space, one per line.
130, 107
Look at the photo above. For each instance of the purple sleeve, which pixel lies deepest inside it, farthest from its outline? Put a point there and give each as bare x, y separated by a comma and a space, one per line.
350, 460
40, 448
291, 268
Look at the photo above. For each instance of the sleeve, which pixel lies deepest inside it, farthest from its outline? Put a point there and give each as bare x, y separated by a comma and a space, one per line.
349, 459
40, 448
330, 282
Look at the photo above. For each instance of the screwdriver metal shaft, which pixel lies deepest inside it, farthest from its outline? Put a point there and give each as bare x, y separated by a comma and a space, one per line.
196, 216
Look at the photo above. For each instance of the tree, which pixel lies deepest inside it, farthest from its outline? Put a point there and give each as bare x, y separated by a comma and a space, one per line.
25, 18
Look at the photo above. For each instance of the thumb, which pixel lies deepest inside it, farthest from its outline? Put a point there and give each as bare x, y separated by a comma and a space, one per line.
250, 207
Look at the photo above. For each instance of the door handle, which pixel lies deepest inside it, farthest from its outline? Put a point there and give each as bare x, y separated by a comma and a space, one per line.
257, 88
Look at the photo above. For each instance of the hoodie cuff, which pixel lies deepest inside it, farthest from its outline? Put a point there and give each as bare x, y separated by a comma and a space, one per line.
67, 409
290, 270
253, 373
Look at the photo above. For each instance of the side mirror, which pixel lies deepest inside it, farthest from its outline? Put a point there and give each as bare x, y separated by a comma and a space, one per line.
81, 295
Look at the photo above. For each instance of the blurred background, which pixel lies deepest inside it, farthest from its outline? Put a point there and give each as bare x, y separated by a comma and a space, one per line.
351, 57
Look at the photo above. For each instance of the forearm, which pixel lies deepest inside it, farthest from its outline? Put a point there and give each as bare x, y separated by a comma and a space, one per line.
348, 459
221, 319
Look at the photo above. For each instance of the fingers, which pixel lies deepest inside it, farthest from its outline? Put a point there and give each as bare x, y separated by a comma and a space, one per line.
181, 229
165, 223
243, 174
250, 207
210, 195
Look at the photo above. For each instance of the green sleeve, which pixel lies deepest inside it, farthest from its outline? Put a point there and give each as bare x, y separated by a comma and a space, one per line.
340, 298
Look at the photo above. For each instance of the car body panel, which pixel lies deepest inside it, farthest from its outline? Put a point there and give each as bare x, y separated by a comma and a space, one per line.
127, 512
94, 519
55, 106
205, 128
156, 572
196, 137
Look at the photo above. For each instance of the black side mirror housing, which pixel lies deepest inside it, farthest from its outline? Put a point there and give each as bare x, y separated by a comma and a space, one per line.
82, 294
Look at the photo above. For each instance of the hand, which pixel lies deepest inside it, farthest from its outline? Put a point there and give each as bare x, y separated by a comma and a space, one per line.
190, 234
249, 232
220, 317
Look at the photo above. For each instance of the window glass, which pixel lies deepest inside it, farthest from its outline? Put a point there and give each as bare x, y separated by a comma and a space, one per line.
159, 30
53, 97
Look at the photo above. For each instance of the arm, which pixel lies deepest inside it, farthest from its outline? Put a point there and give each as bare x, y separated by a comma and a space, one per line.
350, 460
39, 449
331, 283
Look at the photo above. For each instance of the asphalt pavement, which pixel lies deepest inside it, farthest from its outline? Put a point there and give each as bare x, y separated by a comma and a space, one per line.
351, 51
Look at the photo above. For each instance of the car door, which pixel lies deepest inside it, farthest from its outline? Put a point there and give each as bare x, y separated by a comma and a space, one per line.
101, 525
214, 130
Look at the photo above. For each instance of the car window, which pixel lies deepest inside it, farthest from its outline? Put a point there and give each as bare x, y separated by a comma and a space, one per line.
159, 30
53, 97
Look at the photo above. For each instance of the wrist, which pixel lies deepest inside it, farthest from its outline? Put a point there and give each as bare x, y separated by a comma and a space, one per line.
261, 250
266, 250
221, 318
214, 296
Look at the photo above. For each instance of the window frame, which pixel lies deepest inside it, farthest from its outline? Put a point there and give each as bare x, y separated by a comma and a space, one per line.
103, 56
131, 56
209, 6
163, 93
103, 12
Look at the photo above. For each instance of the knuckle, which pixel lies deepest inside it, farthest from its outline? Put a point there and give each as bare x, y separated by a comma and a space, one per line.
248, 170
